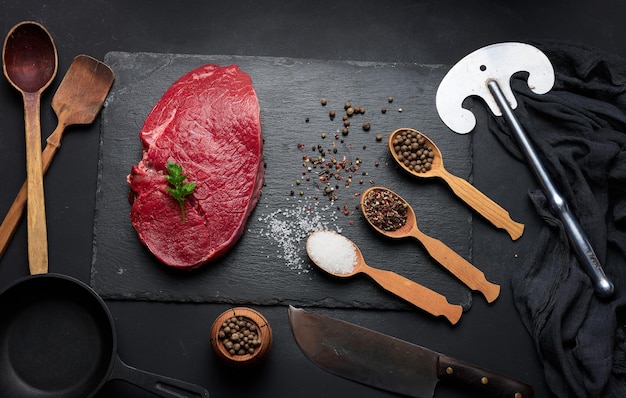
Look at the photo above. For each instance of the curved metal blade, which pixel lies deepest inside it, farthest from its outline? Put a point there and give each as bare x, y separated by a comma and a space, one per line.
470, 76
364, 355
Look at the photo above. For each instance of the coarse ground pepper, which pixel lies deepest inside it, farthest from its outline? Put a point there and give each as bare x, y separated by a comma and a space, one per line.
384, 209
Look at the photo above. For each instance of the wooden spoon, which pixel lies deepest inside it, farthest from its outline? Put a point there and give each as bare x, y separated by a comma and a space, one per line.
30, 64
463, 189
457, 265
416, 294
78, 100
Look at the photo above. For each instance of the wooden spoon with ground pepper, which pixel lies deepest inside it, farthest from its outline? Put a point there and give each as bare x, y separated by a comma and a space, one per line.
432, 166
392, 216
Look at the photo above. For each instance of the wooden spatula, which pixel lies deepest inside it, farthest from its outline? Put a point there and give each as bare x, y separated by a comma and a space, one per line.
78, 100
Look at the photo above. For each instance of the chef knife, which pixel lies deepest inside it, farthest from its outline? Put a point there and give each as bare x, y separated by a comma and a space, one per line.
388, 363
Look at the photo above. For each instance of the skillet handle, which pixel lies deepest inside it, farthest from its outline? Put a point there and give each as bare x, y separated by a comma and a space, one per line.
161, 386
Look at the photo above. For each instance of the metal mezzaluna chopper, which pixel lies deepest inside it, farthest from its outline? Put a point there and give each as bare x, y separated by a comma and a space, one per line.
486, 73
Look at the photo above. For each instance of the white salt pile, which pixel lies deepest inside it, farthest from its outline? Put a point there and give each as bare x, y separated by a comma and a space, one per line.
332, 252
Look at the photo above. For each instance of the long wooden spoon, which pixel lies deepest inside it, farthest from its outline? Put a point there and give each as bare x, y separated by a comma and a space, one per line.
376, 198
416, 294
477, 200
30, 64
78, 100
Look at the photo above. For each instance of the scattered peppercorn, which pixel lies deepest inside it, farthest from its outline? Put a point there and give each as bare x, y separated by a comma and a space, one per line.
383, 110
306, 120
323, 101
390, 99
331, 173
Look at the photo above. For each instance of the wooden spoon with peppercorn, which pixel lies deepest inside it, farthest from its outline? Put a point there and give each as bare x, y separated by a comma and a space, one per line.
419, 155
392, 216
341, 257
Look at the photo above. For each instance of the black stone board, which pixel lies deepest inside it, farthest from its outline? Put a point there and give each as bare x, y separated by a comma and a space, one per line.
269, 263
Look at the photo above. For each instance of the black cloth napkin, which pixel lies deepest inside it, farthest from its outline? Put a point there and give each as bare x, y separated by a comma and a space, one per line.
579, 130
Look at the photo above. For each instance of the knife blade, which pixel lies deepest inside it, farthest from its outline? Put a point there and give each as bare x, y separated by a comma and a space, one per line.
388, 363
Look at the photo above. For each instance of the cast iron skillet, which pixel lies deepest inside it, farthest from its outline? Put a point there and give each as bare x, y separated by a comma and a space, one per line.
57, 340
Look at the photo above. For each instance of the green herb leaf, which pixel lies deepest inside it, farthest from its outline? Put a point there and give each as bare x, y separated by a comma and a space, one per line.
178, 189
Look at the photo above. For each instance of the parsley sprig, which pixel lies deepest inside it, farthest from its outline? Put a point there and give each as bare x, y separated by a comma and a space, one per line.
179, 189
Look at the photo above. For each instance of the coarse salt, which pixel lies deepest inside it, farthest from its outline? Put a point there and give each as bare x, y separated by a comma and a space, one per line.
287, 228
332, 252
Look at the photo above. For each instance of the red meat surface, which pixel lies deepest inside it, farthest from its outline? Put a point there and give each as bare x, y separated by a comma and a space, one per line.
209, 123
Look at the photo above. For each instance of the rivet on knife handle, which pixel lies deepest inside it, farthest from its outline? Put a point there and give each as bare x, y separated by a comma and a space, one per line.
484, 381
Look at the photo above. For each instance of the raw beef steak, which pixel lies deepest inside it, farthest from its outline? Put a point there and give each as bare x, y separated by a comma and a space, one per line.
208, 122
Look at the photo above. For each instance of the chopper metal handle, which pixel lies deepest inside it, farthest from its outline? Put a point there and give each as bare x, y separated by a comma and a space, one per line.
578, 240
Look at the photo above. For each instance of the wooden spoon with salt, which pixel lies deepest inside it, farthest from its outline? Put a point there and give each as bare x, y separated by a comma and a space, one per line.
471, 276
416, 294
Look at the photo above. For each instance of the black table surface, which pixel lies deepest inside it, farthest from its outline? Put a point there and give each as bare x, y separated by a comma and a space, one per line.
172, 338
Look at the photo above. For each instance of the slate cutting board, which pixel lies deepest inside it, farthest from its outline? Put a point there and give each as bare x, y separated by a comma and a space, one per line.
269, 264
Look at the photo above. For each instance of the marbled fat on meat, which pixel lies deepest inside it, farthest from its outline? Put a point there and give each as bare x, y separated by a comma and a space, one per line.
209, 123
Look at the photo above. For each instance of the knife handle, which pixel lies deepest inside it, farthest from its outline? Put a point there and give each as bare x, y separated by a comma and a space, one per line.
486, 382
